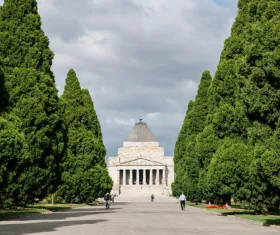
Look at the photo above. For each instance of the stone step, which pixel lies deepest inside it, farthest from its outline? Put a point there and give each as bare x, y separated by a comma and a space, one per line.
141, 190
157, 199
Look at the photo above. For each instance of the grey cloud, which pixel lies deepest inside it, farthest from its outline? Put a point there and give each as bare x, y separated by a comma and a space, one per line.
139, 59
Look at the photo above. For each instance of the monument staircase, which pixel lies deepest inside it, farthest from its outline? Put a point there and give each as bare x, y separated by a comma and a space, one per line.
142, 193
146, 198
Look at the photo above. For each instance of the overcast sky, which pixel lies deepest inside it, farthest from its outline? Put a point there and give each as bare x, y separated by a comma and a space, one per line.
138, 58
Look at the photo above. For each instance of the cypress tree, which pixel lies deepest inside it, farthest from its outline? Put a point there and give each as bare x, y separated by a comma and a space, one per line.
193, 124
33, 99
92, 123
227, 172
4, 96
244, 104
11, 145
198, 114
85, 176
197, 122
207, 143
179, 161
261, 97
179, 146
247, 78
263, 188
227, 115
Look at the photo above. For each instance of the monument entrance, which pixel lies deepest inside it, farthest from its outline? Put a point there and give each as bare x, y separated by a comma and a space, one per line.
141, 167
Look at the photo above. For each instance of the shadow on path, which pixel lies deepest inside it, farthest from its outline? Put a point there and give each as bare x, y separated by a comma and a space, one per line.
64, 214
40, 227
267, 222
50, 222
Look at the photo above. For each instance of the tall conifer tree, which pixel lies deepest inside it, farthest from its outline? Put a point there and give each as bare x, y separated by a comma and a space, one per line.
197, 118
180, 146
85, 176
193, 124
92, 123
11, 145
33, 99
263, 187
179, 161
244, 107
12, 161
4, 97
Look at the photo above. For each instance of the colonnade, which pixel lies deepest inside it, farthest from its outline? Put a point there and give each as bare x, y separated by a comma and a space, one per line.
142, 176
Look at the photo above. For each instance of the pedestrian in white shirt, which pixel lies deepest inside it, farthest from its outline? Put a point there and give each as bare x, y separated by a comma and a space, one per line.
182, 199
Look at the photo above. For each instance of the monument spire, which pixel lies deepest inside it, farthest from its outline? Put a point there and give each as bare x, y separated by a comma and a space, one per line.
140, 133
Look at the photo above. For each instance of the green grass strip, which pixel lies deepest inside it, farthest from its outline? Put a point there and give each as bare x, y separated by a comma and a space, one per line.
242, 212
36, 209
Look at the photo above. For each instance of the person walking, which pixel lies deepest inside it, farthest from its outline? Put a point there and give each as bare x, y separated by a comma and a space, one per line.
182, 199
152, 197
107, 199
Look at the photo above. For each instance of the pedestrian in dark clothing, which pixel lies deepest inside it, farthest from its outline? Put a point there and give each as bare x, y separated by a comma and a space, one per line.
107, 199
182, 199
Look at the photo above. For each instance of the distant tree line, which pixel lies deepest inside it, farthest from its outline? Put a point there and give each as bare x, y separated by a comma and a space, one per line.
48, 143
229, 144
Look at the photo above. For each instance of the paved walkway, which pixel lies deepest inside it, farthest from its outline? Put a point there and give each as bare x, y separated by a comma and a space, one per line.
133, 219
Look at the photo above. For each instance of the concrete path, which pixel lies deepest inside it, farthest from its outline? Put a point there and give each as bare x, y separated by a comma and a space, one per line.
133, 219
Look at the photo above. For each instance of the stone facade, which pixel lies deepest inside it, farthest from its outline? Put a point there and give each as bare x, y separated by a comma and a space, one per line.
141, 167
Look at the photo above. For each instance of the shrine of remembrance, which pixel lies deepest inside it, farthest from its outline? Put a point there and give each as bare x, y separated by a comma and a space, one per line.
141, 168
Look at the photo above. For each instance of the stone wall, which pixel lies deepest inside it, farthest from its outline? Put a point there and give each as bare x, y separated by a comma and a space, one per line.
113, 161
133, 152
144, 190
170, 167
113, 172
140, 144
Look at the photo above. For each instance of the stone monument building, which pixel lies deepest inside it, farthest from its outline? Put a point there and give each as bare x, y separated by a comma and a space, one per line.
141, 169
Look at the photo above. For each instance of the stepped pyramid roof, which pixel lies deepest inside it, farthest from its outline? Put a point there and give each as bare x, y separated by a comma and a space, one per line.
141, 133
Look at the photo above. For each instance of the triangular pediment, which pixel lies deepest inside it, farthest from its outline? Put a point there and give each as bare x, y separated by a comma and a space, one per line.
141, 162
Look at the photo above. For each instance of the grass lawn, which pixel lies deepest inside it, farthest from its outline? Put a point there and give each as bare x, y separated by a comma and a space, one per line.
242, 212
202, 206
11, 213
55, 207
95, 203
36, 209
265, 219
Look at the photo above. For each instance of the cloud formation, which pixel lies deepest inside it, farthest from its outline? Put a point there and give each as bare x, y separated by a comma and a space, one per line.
139, 59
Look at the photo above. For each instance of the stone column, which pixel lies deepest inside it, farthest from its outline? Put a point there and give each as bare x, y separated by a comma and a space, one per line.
137, 177
124, 177
163, 177
130, 177
144, 177
157, 176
